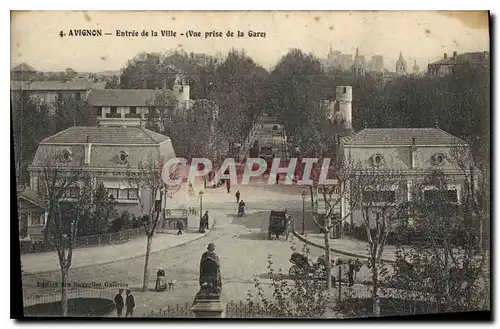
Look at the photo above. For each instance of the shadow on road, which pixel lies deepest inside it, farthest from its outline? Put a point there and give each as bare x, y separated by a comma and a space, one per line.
254, 236
254, 220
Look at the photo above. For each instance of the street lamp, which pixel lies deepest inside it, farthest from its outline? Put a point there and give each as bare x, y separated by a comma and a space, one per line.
201, 209
303, 210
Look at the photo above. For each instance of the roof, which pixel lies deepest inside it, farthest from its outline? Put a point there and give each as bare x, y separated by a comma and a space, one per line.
122, 97
56, 85
401, 136
106, 135
474, 58
23, 67
32, 197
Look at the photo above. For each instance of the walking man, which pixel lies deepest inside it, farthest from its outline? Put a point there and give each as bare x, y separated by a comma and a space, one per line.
228, 185
350, 272
238, 196
130, 304
180, 226
119, 303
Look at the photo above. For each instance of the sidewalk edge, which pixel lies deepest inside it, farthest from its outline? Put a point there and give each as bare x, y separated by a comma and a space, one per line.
338, 251
27, 274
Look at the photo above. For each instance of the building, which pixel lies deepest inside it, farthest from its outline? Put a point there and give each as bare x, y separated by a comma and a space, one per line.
32, 215
340, 110
376, 64
412, 153
401, 65
447, 65
359, 65
416, 68
335, 60
107, 152
48, 92
124, 104
23, 72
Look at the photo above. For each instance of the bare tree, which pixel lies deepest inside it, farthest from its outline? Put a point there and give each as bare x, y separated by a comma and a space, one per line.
68, 194
377, 190
342, 169
147, 179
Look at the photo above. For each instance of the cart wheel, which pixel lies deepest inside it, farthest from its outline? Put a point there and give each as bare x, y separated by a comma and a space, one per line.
295, 272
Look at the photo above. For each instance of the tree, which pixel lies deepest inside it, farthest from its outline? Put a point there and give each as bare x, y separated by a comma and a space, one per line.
102, 213
147, 179
343, 170
444, 268
378, 191
304, 298
60, 182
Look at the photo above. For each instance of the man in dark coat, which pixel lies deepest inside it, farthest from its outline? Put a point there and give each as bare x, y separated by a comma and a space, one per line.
119, 303
350, 272
238, 196
130, 304
180, 226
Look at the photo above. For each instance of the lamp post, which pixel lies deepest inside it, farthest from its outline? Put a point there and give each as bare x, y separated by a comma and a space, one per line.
201, 210
303, 210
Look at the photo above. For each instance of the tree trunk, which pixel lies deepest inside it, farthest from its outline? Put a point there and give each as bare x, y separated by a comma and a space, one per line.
64, 292
327, 260
146, 264
375, 297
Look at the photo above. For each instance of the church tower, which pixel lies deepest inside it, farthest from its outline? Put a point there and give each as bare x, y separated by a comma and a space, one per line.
401, 65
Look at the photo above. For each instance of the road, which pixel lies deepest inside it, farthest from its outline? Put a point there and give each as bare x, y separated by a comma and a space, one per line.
241, 244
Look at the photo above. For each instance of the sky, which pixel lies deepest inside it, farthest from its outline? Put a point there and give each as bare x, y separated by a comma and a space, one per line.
418, 35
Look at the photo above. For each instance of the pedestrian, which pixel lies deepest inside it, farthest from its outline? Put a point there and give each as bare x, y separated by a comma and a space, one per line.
205, 221
130, 304
119, 303
350, 272
160, 280
228, 185
277, 179
180, 226
288, 228
357, 268
238, 196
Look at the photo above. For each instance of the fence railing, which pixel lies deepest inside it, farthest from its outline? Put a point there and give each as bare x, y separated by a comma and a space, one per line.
84, 241
72, 294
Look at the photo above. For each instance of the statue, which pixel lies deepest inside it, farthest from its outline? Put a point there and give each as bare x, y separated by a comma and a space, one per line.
210, 279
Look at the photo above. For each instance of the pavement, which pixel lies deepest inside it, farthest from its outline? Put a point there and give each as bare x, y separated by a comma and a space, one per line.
38, 263
346, 246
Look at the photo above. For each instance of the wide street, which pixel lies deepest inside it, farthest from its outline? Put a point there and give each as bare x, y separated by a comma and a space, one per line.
241, 243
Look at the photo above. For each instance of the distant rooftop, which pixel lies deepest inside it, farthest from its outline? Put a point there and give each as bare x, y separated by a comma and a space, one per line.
472, 58
401, 136
107, 135
23, 67
123, 97
56, 85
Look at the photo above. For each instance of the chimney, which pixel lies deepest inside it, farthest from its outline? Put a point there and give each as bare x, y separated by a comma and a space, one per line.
413, 157
454, 55
88, 148
445, 55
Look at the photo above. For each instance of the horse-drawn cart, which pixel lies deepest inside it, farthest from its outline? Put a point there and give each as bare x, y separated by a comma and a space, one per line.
278, 222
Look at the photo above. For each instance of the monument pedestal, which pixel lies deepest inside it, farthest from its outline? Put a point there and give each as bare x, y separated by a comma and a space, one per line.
208, 308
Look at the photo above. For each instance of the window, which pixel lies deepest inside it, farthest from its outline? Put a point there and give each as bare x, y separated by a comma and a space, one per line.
133, 110
112, 110
123, 194
78, 96
438, 159
98, 110
435, 196
345, 90
36, 219
123, 157
377, 160
66, 155
379, 196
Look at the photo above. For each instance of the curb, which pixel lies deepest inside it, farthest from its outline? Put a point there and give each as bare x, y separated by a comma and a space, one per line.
338, 251
27, 274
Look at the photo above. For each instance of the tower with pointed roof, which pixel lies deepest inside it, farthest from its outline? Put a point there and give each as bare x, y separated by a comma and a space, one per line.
401, 65
416, 68
359, 65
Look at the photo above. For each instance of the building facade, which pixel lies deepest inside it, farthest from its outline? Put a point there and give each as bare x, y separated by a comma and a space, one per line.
48, 92
410, 153
32, 215
107, 152
447, 65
